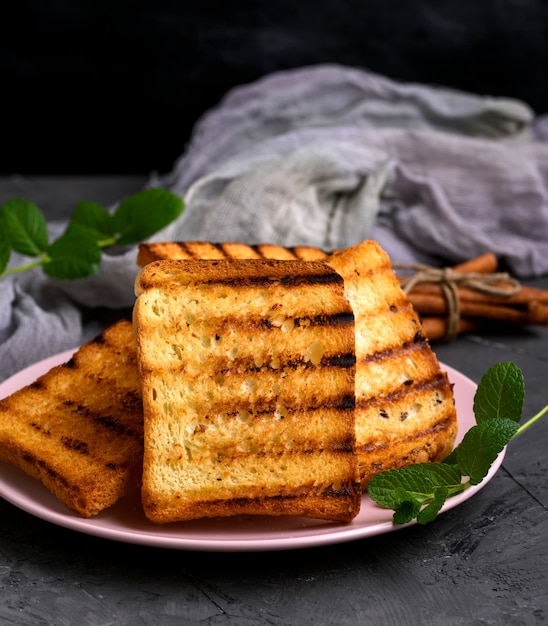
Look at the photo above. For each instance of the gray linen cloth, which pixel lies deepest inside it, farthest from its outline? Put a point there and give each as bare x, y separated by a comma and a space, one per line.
327, 156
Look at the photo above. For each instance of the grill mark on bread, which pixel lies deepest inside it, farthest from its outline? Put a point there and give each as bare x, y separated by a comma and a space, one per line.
345, 490
187, 249
105, 421
393, 351
252, 282
282, 451
441, 426
252, 324
420, 390
265, 407
241, 367
33, 460
336, 319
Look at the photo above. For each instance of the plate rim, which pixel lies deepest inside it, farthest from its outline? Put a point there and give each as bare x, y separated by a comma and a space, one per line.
329, 533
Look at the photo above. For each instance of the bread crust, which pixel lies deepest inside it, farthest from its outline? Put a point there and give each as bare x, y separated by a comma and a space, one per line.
188, 250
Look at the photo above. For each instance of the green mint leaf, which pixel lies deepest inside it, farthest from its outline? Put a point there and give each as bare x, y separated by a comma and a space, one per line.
416, 491
394, 487
440, 474
481, 445
500, 393
75, 254
95, 218
429, 513
382, 489
26, 228
5, 250
406, 511
138, 217
451, 459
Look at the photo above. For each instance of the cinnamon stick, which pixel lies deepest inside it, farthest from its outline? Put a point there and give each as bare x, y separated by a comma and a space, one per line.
432, 304
484, 264
436, 327
524, 296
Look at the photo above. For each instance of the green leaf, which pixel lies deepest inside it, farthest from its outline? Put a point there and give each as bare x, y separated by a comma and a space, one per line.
143, 214
481, 445
439, 474
26, 227
500, 393
406, 511
95, 218
429, 513
5, 247
393, 487
73, 255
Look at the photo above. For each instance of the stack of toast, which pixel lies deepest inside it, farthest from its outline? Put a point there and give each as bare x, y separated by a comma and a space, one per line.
254, 379
404, 402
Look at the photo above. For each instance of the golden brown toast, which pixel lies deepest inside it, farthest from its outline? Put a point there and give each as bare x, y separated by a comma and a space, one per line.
247, 369
79, 427
405, 410
404, 403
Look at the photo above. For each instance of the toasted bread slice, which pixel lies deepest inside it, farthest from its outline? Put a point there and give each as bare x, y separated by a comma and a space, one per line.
404, 402
405, 411
186, 250
79, 427
247, 369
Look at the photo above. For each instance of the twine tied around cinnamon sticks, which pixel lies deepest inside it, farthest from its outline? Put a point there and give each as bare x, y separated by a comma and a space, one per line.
468, 296
495, 284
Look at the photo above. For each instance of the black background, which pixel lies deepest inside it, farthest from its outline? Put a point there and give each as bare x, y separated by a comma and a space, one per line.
116, 87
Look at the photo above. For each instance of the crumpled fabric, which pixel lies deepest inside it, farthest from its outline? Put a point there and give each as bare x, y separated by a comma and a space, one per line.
328, 156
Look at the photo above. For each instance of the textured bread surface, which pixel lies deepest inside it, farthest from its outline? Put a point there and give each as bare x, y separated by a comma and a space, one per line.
404, 402
405, 410
79, 427
187, 250
248, 372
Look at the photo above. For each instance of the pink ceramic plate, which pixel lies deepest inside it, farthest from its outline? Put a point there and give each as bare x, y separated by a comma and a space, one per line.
126, 522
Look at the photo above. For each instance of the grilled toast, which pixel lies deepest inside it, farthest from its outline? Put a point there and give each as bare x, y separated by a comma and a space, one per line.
405, 410
79, 427
247, 369
404, 402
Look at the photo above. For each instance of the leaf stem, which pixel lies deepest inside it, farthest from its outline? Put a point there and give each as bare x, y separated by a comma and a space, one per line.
530, 422
105, 243
24, 268
456, 489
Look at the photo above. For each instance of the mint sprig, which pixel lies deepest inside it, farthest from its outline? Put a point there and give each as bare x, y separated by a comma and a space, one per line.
419, 491
91, 229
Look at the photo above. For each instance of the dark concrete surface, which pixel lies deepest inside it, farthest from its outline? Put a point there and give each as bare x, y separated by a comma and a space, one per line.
484, 562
